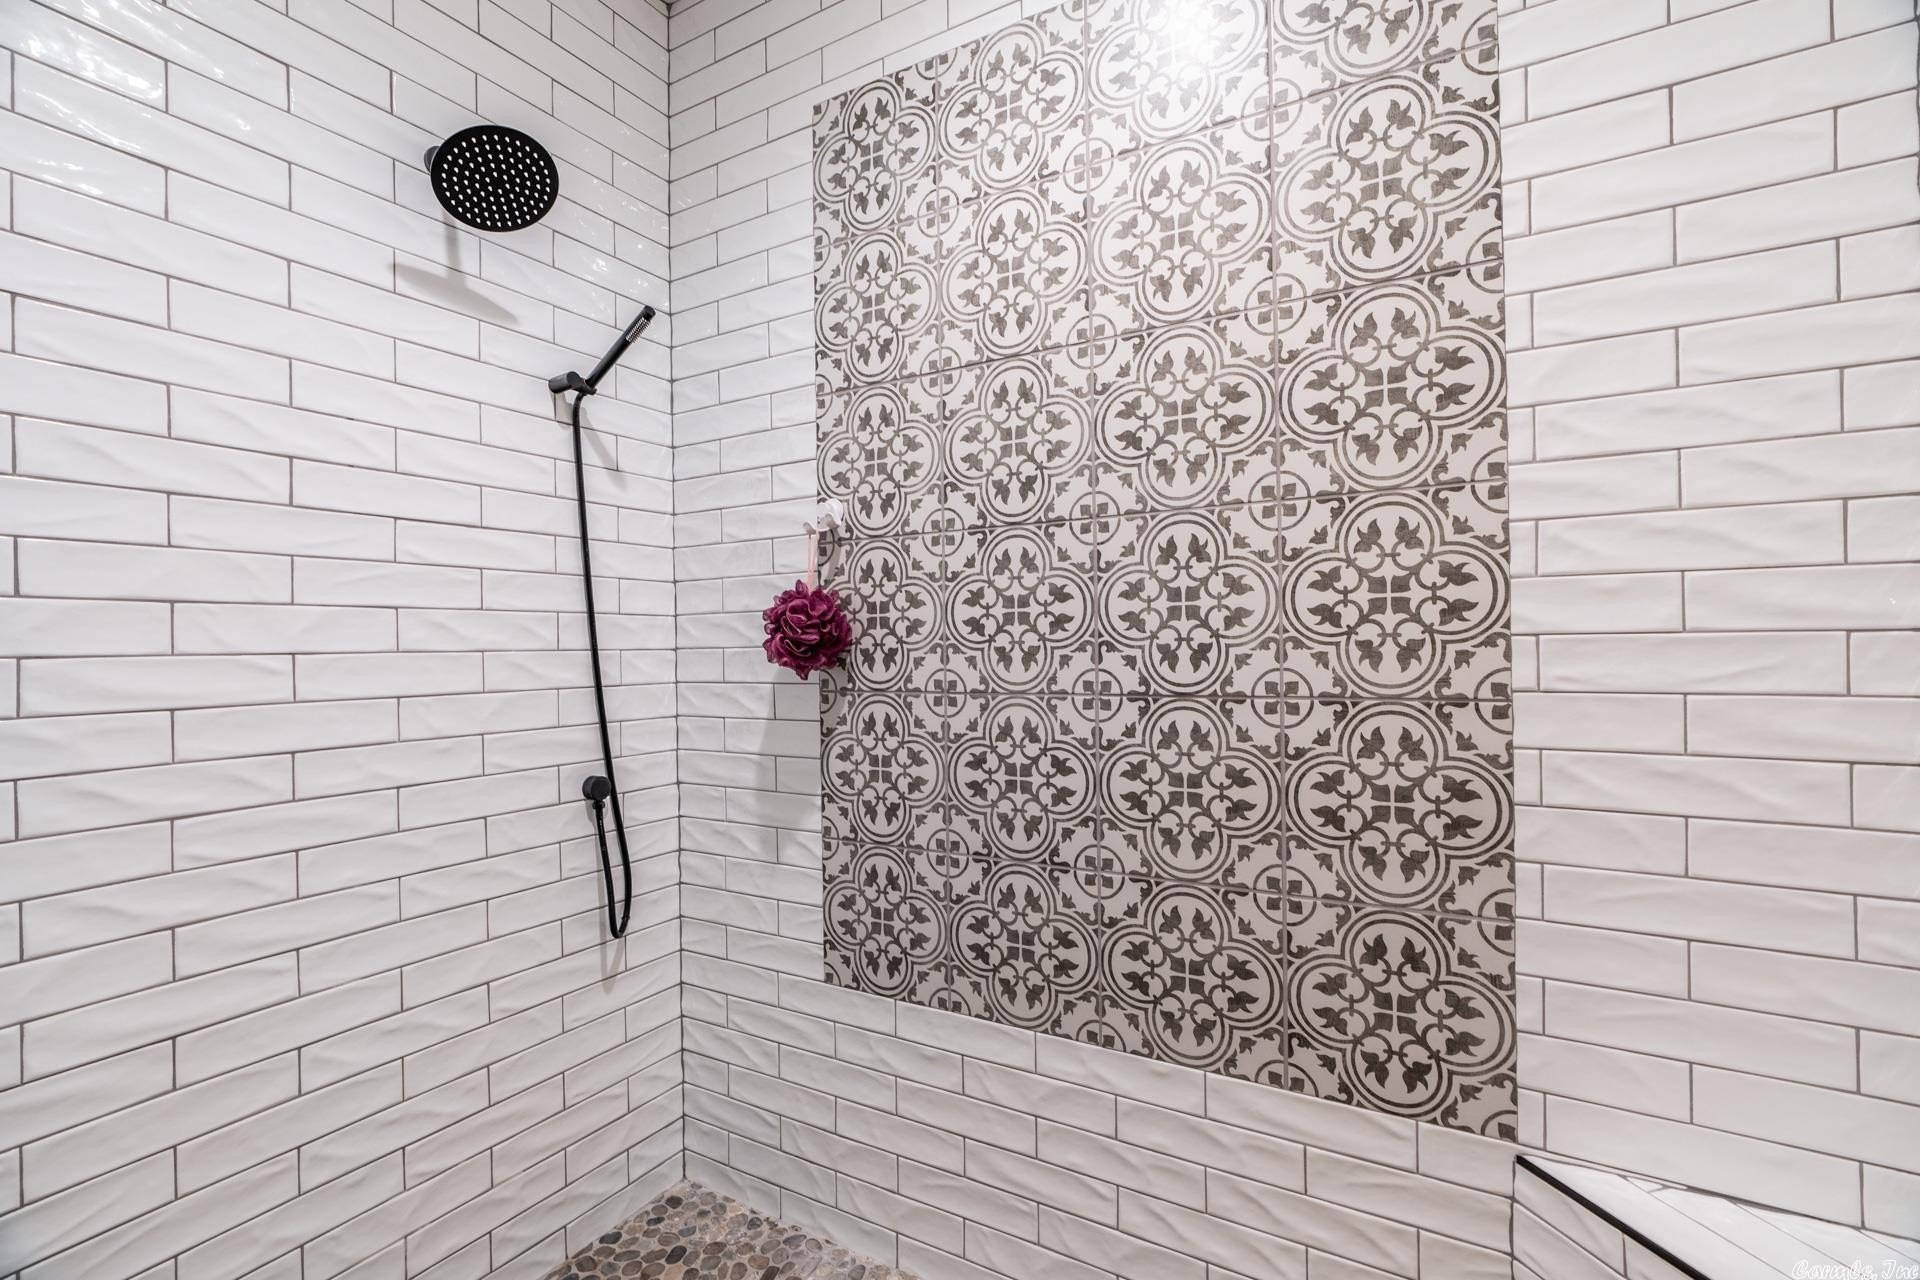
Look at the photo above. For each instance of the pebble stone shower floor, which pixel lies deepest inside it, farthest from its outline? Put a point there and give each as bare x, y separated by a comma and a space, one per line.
691, 1233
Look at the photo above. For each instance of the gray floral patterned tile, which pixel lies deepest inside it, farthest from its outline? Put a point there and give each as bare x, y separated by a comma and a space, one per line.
1189, 419
881, 766
1012, 271
874, 304
1021, 609
1403, 1013
884, 920
879, 450
1023, 440
894, 606
1008, 609
1185, 980
1401, 594
1023, 946
1190, 604
1012, 106
1190, 791
1401, 804
874, 148
1023, 777
1392, 176
1323, 44
1164, 69
1180, 230
1160, 366
1404, 388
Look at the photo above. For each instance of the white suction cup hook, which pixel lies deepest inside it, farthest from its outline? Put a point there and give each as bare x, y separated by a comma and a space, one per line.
829, 517
823, 535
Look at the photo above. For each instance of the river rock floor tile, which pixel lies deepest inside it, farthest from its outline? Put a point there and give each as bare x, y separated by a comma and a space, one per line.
691, 1233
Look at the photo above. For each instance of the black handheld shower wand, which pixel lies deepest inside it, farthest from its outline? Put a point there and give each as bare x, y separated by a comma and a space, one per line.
571, 381
601, 790
500, 179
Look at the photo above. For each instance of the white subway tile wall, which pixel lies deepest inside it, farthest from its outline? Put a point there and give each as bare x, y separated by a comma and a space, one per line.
1710, 219
1718, 586
301, 959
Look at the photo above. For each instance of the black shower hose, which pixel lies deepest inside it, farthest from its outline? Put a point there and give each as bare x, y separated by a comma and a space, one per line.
600, 791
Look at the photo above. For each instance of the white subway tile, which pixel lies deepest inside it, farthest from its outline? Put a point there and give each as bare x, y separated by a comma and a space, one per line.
1700, 1157
1592, 486
58, 1221
1712, 911
242, 322
283, 1027
1692, 171
146, 131
1863, 862
1866, 331
266, 127
1878, 262
1633, 962
35, 150
1594, 251
80, 395
1423, 1202
144, 1017
1824, 75
1884, 796
1863, 596
1633, 603
1319, 1224
80, 50
1702, 662
1687, 1031
43, 746
1882, 129
35, 269
162, 902
1599, 722
1670, 53
249, 935
1781, 791
1748, 536
1885, 730
81, 802
1885, 662
1239, 1250
1845, 1124
1881, 997
1691, 294
77, 337
51, 509
1840, 465
86, 1150
1569, 26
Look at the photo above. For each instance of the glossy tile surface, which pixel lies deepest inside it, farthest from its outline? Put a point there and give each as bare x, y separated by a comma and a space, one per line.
1161, 364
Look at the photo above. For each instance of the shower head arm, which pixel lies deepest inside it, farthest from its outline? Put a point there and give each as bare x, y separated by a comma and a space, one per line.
572, 381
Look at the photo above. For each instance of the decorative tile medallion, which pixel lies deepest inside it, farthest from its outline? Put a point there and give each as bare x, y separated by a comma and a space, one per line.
1161, 366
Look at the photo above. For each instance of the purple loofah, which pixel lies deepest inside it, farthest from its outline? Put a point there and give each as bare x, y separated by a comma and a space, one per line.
807, 630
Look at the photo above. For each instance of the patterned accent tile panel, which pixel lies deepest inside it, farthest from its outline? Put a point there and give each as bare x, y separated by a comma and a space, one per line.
1161, 366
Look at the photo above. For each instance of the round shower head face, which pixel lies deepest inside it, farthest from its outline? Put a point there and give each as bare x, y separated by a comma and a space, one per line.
494, 178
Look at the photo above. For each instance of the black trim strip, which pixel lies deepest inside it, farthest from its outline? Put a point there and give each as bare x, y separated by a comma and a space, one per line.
1638, 1236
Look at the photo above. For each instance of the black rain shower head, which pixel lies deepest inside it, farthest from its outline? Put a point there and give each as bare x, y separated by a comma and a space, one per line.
493, 178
